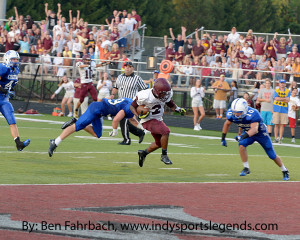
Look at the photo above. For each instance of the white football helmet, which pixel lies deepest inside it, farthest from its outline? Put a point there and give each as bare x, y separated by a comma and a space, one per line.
9, 55
239, 105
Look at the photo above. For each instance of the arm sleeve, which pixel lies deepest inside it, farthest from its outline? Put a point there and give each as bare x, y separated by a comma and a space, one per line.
193, 92
141, 84
202, 93
59, 89
171, 103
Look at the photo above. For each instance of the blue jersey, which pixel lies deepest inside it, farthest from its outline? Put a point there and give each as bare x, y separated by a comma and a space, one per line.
252, 116
113, 106
96, 110
9, 77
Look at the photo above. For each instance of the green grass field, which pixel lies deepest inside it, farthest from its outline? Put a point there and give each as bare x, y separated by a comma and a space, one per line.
84, 159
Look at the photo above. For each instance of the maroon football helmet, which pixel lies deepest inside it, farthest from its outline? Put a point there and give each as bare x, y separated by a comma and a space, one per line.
161, 89
86, 59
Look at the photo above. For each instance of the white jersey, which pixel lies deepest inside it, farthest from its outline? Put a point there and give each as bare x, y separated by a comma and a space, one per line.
156, 106
106, 88
86, 73
69, 87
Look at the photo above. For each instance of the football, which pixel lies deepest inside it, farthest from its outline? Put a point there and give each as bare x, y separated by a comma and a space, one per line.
141, 108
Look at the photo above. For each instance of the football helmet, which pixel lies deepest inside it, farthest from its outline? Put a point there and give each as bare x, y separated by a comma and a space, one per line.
9, 56
86, 59
238, 106
161, 89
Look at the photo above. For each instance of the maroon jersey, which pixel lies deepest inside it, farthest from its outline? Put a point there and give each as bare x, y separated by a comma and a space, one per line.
250, 40
281, 46
198, 50
247, 67
114, 36
169, 51
179, 56
47, 43
271, 52
219, 47
259, 48
293, 56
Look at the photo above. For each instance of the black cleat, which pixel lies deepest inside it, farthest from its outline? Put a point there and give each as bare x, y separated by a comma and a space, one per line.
286, 175
244, 172
69, 123
124, 142
52, 147
142, 157
23, 145
165, 159
142, 137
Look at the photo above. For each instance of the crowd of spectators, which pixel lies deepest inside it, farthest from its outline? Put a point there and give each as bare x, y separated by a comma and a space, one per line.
234, 55
56, 38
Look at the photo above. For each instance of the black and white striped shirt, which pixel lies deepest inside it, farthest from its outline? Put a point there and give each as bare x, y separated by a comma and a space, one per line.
129, 86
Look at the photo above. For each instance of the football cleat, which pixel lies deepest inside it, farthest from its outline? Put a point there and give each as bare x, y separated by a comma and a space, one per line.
165, 159
276, 140
142, 157
286, 175
245, 172
124, 142
69, 123
142, 137
52, 147
23, 145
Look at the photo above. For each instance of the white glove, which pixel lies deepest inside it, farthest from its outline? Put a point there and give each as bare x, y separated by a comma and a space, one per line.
140, 126
113, 133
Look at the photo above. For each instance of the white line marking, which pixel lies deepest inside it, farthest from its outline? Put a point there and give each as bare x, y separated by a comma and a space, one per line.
204, 154
84, 157
139, 183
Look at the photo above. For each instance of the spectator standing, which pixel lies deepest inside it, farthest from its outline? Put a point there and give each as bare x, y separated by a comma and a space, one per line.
51, 17
281, 46
197, 93
294, 105
68, 97
179, 41
170, 54
198, 50
221, 88
104, 86
246, 96
296, 70
294, 54
259, 47
233, 37
280, 110
233, 93
294, 85
127, 85
188, 46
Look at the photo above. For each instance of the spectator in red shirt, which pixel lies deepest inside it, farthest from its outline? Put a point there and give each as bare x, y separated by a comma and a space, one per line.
220, 45
179, 56
47, 42
270, 49
242, 58
198, 50
294, 54
170, 54
247, 74
206, 73
259, 48
281, 46
250, 39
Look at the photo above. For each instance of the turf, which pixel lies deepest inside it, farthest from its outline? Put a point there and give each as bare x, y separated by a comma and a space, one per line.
84, 159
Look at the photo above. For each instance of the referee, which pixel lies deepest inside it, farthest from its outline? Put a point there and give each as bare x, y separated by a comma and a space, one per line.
127, 85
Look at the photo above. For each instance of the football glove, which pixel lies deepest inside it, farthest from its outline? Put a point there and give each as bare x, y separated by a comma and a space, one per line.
180, 110
224, 143
113, 133
237, 138
142, 116
11, 94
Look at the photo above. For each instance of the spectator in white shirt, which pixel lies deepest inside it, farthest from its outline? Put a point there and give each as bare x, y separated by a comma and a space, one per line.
233, 36
248, 51
197, 93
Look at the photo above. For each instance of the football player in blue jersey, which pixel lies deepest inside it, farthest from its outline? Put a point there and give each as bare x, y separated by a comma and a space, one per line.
250, 121
9, 71
120, 108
